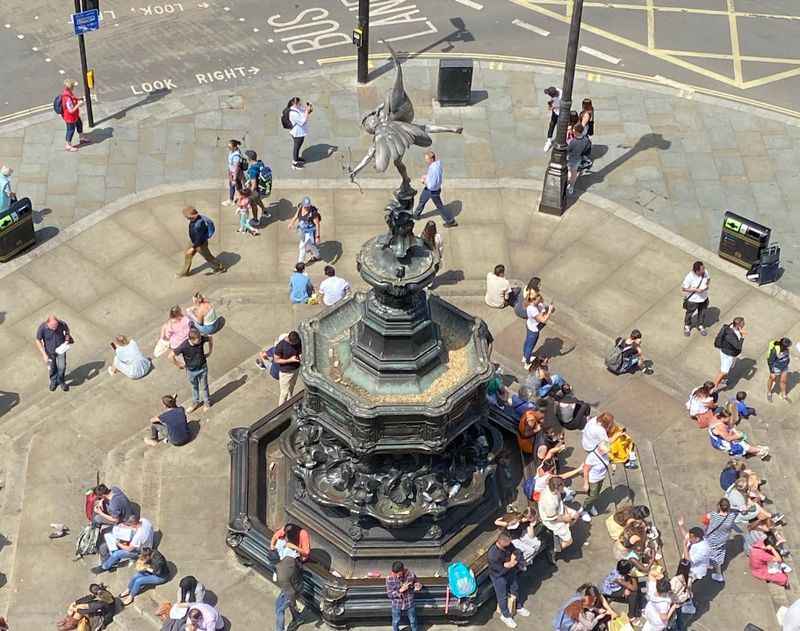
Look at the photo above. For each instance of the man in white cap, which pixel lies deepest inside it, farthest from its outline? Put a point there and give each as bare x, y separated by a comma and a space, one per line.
7, 196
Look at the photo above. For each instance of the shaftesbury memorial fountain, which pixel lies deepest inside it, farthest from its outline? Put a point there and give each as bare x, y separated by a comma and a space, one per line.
390, 452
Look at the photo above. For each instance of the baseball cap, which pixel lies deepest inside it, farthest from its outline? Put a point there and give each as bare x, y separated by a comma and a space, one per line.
306, 202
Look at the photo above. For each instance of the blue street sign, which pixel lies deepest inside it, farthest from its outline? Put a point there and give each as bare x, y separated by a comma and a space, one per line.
86, 21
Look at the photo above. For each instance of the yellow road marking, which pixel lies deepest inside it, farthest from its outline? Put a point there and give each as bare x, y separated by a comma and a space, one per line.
676, 58
532, 61
734, 29
651, 26
639, 7
729, 57
27, 112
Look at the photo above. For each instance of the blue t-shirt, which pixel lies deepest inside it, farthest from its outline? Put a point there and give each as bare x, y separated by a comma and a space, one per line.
610, 585
5, 192
299, 288
119, 506
174, 419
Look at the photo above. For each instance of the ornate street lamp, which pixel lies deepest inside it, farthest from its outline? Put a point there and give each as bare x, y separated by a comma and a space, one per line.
554, 195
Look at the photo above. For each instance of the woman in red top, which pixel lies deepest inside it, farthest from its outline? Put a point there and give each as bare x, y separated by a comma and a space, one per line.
70, 112
294, 538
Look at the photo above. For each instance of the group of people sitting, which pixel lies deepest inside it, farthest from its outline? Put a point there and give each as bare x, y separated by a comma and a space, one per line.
125, 537
720, 419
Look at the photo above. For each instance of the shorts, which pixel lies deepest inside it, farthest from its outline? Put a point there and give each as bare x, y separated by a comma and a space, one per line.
726, 362
777, 370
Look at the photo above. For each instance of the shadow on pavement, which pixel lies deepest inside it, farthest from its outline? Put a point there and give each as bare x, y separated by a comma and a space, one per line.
84, 373
228, 388
8, 401
316, 153
45, 234
330, 251
98, 135
450, 277
646, 142
228, 259
155, 95
39, 215
553, 347
744, 368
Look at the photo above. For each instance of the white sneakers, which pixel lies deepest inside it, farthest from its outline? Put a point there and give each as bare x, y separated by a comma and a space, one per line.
570, 189
547, 144
509, 622
718, 577
521, 611
569, 495
593, 511
586, 517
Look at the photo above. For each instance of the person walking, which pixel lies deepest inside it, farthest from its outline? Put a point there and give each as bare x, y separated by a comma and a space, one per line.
257, 186
298, 116
333, 288
504, 561
720, 524
195, 362
288, 353
537, 316
778, 363
729, 341
433, 190
7, 195
52, 340
234, 170
306, 221
401, 585
70, 112
243, 211
201, 229
553, 106
695, 298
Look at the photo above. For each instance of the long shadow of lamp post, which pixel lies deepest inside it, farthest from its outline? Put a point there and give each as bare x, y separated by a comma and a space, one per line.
554, 194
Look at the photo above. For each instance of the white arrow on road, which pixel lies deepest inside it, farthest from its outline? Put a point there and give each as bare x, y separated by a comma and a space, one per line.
253, 70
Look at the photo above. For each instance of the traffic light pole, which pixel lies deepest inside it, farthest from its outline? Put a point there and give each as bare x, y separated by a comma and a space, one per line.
363, 50
85, 72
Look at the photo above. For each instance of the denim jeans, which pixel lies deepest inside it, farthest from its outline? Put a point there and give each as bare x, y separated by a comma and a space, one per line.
436, 197
629, 364
117, 556
141, 580
199, 381
397, 614
503, 587
72, 128
58, 369
281, 605
531, 338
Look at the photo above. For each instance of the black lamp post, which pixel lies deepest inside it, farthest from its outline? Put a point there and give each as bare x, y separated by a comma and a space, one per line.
554, 200
363, 41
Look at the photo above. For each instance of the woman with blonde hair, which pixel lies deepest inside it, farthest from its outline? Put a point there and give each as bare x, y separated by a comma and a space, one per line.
69, 106
538, 313
128, 359
203, 315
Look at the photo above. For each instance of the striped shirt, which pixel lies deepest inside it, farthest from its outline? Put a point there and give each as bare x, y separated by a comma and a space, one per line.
717, 533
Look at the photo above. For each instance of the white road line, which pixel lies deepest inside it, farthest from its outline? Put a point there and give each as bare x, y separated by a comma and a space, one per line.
471, 4
531, 27
599, 55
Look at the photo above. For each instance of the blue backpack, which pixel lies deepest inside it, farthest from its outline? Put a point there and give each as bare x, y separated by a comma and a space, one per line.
461, 580
58, 106
562, 622
529, 486
209, 226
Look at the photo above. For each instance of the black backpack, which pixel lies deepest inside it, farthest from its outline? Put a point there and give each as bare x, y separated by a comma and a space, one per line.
720, 335
58, 105
286, 122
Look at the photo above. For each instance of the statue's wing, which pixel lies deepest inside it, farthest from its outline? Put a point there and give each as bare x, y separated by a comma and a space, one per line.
391, 141
399, 106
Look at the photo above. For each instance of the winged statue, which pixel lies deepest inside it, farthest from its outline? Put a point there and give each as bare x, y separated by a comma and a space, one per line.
394, 131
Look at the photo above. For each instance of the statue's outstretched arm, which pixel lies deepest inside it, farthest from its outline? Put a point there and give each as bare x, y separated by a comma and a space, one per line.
437, 129
364, 162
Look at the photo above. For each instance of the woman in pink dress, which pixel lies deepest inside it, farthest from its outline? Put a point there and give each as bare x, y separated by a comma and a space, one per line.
176, 329
763, 555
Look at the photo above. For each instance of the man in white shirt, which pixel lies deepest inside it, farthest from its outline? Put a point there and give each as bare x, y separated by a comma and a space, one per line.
498, 289
298, 117
697, 551
695, 298
140, 532
333, 288
595, 469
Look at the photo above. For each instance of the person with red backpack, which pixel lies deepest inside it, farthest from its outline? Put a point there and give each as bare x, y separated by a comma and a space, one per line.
68, 106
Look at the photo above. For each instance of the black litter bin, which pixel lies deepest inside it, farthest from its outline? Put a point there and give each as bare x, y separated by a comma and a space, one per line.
742, 240
16, 229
